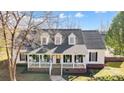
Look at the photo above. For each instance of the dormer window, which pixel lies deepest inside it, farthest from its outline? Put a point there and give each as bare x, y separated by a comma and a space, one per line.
72, 39
44, 39
58, 39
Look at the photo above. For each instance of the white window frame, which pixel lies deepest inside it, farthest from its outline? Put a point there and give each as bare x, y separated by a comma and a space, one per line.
56, 37
45, 35
69, 39
45, 42
91, 57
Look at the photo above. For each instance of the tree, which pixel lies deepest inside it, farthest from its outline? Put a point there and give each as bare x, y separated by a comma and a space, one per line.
115, 36
11, 23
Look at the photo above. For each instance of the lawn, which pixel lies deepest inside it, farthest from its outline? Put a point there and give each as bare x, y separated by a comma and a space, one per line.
111, 69
3, 55
72, 77
22, 74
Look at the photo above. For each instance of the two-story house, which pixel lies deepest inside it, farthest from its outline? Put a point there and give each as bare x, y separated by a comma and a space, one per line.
59, 51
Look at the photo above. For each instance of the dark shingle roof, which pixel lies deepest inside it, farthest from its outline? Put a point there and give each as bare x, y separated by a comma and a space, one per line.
93, 39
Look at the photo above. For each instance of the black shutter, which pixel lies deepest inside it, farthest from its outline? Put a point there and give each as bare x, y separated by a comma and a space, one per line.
96, 56
90, 56
26, 57
20, 56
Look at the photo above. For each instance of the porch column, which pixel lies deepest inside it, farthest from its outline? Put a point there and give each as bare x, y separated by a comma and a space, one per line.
61, 65
50, 68
73, 60
39, 60
28, 60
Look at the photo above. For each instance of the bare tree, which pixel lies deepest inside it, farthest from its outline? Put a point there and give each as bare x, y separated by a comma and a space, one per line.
11, 23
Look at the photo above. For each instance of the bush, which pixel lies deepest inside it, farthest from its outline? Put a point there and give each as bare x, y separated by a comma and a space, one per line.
92, 72
109, 78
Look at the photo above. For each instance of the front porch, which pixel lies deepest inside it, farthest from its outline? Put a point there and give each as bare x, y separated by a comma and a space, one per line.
56, 61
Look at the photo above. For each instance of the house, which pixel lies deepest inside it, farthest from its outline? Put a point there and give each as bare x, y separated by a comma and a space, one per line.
59, 51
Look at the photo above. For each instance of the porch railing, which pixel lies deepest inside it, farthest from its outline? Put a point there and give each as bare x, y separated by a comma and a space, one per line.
63, 65
38, 65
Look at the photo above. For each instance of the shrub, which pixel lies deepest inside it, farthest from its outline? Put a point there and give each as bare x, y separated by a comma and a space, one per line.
109, 78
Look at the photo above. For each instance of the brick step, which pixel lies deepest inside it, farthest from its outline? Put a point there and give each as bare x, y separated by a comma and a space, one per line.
56, 71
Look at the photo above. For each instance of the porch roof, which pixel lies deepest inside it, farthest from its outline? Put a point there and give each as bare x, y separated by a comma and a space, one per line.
70, 49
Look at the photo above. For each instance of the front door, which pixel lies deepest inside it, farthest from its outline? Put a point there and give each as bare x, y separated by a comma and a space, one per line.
58, 59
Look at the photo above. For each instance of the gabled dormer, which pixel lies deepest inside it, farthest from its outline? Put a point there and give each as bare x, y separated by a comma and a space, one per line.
58, 39
72, 39
45, 38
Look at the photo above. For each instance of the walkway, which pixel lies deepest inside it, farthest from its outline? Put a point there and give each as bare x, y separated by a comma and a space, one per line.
57, 78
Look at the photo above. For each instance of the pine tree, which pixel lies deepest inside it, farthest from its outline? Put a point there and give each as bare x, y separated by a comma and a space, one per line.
115, 36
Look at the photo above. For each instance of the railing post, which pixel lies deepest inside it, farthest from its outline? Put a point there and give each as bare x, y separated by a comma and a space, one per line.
61, 69
39, 61
61, 64
50, 68
73, 60
28, 60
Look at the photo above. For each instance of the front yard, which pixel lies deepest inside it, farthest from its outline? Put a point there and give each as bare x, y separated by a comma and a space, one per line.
111, 69
22, 74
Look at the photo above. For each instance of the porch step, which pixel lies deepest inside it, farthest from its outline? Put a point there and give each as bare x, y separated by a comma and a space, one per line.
56, 65
56, 71
57, 78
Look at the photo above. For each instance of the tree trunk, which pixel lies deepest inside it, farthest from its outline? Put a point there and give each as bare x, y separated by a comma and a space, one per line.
12, 72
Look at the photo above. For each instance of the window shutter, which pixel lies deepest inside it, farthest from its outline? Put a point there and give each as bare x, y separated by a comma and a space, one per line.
96, 56
90, 56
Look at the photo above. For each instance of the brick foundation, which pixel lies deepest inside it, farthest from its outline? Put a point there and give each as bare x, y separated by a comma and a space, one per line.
74, 71
92, 66
44, 70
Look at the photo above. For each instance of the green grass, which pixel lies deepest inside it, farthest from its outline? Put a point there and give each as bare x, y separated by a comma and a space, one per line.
3, 55
112, 69
22, 74
114, 64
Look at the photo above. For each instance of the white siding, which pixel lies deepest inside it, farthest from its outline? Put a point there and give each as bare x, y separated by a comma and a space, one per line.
100, 55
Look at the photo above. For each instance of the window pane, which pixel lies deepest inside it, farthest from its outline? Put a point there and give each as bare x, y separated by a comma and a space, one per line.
46, 58
93, 56
78, 58
58, 41
23, 57
44, 40
72, 40
67, 58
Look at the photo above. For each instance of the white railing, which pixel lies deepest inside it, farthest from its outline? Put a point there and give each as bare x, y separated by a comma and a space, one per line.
63, 65
79, 65
38, 65
67, 65
73, 65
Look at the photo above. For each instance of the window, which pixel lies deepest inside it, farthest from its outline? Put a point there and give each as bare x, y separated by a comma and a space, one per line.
67, 58
72, 39
57, 40
41, 58
34, 58
78, 58
23, 57
46, 58
44, 40
93, 56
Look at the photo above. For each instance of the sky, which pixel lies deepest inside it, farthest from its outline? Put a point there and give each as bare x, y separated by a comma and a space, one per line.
84, 19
